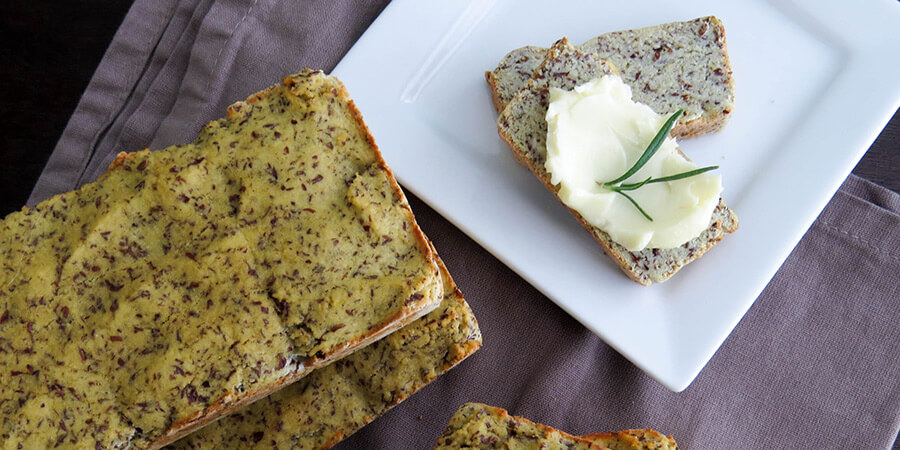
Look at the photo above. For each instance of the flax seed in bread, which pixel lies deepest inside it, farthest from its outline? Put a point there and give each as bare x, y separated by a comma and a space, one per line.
523, 126
679, 65
355, 390
192, 280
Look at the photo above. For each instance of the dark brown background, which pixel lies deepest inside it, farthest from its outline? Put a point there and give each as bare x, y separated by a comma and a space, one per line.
50, 51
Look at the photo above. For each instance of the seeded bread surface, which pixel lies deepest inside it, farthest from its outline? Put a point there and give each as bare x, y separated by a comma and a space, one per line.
190, 281
679, 65
523, 126
480, 426
332, 403
642, 439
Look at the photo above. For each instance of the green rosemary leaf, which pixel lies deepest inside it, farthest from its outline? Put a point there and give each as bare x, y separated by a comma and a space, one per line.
633, 202
651, 149
628, 186
677, 176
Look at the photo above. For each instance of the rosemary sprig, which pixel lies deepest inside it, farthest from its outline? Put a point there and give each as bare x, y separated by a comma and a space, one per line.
654, 145
651, 149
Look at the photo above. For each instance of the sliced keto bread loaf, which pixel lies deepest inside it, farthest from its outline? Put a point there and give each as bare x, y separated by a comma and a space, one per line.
333, 402
523, 126
679, 65
190, 281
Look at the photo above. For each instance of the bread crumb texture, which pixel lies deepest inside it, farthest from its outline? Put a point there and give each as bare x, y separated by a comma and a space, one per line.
678, 65
189, 277
333, 402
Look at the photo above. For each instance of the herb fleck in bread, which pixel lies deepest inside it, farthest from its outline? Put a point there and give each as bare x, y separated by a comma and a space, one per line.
356, 389
523, 126
679, 65
190, 281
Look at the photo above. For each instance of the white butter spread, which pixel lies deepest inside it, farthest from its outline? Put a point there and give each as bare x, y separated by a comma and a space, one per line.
596, 132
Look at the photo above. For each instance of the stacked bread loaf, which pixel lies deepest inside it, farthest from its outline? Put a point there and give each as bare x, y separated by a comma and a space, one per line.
191, 281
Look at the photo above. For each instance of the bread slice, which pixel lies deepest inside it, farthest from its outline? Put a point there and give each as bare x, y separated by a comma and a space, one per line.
523, 127
355, 390
679, 65
642, 439
476, 425
479, 426
193, 280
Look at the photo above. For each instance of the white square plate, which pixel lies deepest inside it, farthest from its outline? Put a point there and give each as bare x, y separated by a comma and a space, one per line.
815, 83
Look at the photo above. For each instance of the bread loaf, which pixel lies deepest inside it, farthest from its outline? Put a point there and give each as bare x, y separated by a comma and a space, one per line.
333, 402
679, 65
190, 281
523, 126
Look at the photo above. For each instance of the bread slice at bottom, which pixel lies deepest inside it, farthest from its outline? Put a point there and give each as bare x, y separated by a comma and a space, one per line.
642, 439
476, 425
524, 128
332, 403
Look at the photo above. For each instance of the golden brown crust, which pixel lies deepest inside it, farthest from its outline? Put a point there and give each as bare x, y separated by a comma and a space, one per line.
476, 425
635, 439
411, 312
406, 361
495, 91
179, 421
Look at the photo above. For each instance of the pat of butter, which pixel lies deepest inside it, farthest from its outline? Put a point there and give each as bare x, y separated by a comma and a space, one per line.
596, 132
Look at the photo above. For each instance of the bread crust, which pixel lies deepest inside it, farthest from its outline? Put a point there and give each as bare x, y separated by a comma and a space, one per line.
263, 372
636, 439
440, 340
412, 311
535, 431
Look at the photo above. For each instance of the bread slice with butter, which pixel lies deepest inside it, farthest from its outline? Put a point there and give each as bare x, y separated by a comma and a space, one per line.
523, 126
678, 65
476, 425
190, 281
355, 390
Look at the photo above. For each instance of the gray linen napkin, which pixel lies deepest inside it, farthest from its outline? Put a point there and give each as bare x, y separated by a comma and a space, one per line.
812, 365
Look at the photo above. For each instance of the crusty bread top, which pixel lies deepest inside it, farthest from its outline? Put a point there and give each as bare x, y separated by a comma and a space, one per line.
642, 439
678, 65
354, 390
191, 280
480, 426
523, 126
